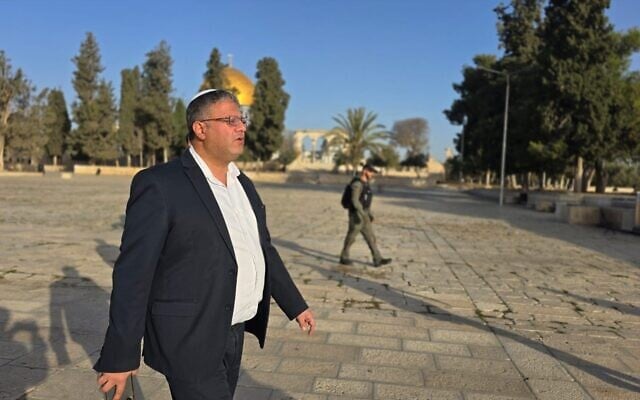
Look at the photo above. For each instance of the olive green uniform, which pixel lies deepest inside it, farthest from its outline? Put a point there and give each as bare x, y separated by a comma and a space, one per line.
360, 221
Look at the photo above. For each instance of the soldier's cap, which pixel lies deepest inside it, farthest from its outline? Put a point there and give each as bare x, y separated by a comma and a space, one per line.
369, 167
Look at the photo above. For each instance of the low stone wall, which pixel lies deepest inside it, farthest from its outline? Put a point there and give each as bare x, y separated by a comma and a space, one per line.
104, 170
611, 211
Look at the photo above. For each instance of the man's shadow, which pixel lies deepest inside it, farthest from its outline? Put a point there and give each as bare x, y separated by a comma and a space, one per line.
23, 339
79, 312
411, 302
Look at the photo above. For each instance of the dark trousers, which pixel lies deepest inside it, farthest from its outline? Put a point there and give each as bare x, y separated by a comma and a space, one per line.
220, 386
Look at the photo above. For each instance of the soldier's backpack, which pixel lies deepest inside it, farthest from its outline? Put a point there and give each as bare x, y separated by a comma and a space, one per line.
346, 195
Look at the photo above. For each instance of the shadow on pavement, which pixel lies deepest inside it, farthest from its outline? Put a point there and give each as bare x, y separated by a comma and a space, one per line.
400, 299
78, 311
622, 307
22, 340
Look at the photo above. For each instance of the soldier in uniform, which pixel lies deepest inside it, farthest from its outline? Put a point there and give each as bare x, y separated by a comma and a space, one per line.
361, 218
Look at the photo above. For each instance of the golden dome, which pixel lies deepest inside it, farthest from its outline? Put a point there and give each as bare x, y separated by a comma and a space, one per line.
243, 86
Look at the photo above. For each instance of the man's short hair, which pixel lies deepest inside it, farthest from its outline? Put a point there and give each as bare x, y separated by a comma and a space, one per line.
201, 101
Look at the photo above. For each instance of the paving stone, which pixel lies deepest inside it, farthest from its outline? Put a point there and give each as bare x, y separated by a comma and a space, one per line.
391, 357
343, 387
309, 367
467, 381
462, 337
364, 341
478, 366
286, 382
396, 392
319, 351
490, 352
260, 362
377, 373
484, 396
367, 328
557, 390
435, 347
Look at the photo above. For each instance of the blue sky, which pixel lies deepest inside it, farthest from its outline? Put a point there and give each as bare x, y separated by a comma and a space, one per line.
396, 58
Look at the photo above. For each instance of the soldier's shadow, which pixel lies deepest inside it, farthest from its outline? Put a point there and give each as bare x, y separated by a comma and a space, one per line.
411, 303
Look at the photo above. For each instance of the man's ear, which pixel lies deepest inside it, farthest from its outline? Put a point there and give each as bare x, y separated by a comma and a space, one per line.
198, 129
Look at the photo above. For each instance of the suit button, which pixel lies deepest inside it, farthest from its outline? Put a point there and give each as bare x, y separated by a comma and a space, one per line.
227, 307
231, 273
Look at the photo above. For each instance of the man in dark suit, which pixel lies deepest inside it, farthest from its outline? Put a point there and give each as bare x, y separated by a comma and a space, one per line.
196, 266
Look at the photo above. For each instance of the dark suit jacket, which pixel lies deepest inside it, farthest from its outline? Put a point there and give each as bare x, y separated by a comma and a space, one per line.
175, 279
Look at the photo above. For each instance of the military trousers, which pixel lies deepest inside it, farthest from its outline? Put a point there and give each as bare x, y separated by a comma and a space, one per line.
362, 225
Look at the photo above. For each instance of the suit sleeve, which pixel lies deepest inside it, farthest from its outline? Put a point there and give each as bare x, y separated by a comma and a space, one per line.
145, 231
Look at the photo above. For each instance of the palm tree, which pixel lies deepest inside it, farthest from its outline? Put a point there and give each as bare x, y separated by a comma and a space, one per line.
357, 132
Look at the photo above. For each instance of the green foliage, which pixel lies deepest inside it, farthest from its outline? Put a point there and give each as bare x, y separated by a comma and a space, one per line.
264, 135
287, 153
386, 156
624, 173
570, 95
480, 111
57, 123
156, 114
518, 27
357, 132
14, 93
179, 119
416, 160
94, 112
213, 78
130, 131
26, 136
411, 134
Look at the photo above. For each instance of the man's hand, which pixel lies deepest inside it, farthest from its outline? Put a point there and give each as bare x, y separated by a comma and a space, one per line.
107, 380
306, 321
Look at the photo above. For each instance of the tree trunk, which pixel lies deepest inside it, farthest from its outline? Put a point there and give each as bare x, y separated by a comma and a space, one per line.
165, 154
588, 179
128, 160
577, 185
487, 178
1, 152
601, 177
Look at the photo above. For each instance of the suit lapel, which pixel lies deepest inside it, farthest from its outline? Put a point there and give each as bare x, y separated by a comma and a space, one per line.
256, 203
204, 191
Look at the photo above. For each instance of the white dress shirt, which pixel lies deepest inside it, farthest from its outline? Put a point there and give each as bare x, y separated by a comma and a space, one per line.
243, 229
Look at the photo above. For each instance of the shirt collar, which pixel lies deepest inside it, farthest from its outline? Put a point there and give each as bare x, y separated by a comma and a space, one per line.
232, 169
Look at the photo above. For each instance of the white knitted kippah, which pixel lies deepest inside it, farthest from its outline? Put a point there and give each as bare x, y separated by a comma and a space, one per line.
202, 93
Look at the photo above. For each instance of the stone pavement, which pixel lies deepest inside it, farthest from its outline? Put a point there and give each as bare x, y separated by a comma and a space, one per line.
479, 303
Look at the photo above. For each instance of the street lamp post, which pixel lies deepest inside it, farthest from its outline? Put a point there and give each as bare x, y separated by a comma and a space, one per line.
504, 129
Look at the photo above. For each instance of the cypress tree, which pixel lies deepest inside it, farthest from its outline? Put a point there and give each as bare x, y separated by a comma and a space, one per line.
577, 81
130, 134
57, 124
94, 110
156, 101
213, 77
264, 135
